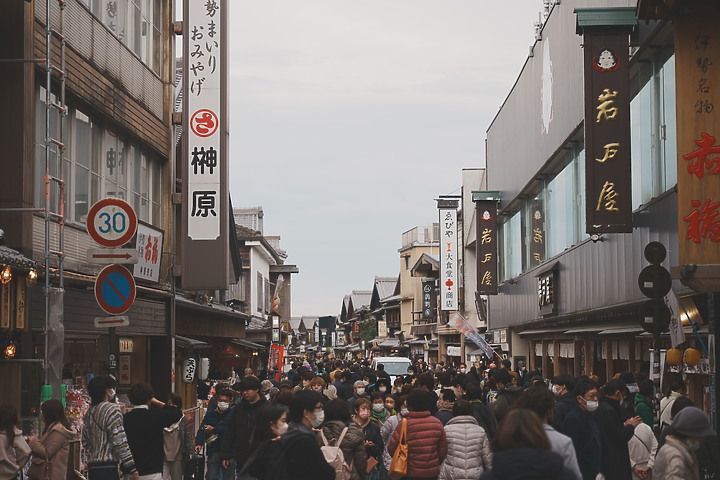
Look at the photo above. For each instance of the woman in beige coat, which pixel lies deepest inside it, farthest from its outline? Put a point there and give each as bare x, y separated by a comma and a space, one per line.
14, 451
54, 444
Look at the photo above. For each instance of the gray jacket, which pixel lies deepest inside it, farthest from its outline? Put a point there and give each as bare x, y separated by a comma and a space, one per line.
353, 445
563, 445
675, 462
468, 454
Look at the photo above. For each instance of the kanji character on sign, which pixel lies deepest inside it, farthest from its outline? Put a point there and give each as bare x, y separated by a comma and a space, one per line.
705, 157
703, 222
605, 110
204, 203
204, 158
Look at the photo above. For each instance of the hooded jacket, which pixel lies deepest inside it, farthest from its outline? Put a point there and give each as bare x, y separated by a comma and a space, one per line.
353, 445
12, 456
220, 422
427, 444
54, 447
236, 441
675, 462
644, 409
527, 464
468, 454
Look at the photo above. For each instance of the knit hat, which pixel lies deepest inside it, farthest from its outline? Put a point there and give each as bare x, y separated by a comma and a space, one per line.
692, 422
265, 385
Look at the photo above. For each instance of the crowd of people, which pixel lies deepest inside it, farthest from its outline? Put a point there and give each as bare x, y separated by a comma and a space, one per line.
344, 421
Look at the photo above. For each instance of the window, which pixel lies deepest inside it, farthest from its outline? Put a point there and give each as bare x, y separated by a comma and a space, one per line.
511, 247
260, 288
98, 164
136, 23
652, 126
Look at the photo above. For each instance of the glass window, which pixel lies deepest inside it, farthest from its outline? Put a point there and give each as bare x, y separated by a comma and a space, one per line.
511, 243
560, 227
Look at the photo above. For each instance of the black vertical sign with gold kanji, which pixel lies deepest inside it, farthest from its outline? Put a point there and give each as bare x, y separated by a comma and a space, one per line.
486, 246
537, 234
608, 186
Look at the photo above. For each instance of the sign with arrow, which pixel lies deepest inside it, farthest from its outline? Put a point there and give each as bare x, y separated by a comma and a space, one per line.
108, 256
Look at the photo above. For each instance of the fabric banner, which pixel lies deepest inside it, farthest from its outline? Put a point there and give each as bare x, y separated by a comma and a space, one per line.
459, 323
277, 352
677, 335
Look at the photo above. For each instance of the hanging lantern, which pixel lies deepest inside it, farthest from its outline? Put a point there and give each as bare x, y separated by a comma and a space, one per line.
6, 274
692, 357
10, 351
673, 356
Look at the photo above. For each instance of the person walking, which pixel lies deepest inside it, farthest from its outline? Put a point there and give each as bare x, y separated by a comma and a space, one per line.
103, 435
523, 451
358, 393
643, 447
144, 426
618, 430
541, 401
14, 450
582, 426
482, 413
563, 388
236, 441
212, 429
371, 430
446, 400
303, 458
266, 457
53, 446
676, 459
178, 443
389, 427
427, 442
468, 454
643, 402
337, 418
678, 389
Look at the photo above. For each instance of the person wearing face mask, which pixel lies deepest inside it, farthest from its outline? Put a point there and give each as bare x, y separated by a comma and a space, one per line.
379, 413
383, 386
236, 441
265, 461
104, 437
303, 458
676, 459
359, 391
212, 429
582, 426
337, 418
371, 429
445, 403
317, 384
618, 430
563, 387
390, 404
304, 384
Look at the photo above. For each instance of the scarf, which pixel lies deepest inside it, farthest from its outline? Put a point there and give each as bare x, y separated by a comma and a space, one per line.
382, 416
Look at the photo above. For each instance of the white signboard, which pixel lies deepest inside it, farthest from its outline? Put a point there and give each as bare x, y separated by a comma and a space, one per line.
453, 351
448, 260
382, 329
204, 104
149, 249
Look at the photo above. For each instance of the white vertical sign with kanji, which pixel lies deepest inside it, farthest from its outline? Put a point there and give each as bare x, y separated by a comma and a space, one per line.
448, 260
204, 104
149, 247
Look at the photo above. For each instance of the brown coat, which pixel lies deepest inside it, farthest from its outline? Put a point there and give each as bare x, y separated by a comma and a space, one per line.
427, 444
54, 446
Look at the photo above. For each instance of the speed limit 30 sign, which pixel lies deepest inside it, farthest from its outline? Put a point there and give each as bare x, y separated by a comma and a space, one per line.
111, 222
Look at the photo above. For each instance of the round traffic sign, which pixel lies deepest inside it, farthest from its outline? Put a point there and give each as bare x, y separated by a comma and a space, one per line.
655, 252
654, 281
111, 222
115, 289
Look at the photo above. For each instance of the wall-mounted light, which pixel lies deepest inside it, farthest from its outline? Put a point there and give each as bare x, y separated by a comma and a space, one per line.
31, 277
596, 238
10, 350
6, 274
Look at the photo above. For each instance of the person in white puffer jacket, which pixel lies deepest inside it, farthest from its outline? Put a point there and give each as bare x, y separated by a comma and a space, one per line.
469, 452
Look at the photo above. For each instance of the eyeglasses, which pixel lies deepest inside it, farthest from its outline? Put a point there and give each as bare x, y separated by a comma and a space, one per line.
318, 407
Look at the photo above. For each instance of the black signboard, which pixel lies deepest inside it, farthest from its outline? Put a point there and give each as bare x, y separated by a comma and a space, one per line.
429, 300
486, 246
608, 186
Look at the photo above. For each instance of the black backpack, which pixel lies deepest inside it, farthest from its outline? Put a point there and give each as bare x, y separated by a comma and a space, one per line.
276, 469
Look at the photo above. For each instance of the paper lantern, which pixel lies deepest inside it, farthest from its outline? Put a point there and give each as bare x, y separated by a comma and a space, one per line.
673, 356
189, 370
692, 357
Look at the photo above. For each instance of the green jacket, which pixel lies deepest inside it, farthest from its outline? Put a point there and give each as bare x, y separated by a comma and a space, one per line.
644, 409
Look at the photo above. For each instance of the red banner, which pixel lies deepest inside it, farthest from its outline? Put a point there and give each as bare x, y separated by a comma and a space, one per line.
277, 352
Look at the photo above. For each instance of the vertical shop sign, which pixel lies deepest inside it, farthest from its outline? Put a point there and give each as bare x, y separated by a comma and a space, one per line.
537, 234
429, 300
608, 187
205, 206
5, 305
486, 241
149, 246
124, 370
20, 303
448, 259
697, 61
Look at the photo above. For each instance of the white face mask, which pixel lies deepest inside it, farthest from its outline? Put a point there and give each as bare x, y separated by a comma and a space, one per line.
591, 405
111, 396
360, 391
462, 370
282, 428
319, 419
556, 389
222, 406
404, 411
382, 389
378, 407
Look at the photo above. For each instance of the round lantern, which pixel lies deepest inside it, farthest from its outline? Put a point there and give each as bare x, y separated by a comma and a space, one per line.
692, 357
673, 356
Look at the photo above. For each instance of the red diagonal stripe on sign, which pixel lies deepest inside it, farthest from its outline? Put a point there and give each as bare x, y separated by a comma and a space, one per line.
115, 289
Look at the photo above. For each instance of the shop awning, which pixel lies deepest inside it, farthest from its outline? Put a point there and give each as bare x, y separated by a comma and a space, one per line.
247, 344
390, 343
191, 342
591, 329
621, 331
424, 329
539, 331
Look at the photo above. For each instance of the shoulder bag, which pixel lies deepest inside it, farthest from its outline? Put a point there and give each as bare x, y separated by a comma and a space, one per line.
398, 466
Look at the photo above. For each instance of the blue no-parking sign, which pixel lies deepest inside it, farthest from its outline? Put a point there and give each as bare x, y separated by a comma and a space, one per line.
115, 289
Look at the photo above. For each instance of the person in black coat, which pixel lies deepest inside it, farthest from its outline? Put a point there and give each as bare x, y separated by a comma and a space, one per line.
582, 425
303, 458
371, 427
618, 430
236, 441
564, 390
523, 451
144, 426
347, 388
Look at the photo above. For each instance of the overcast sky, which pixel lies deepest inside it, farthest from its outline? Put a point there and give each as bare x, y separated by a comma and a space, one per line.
348, 118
